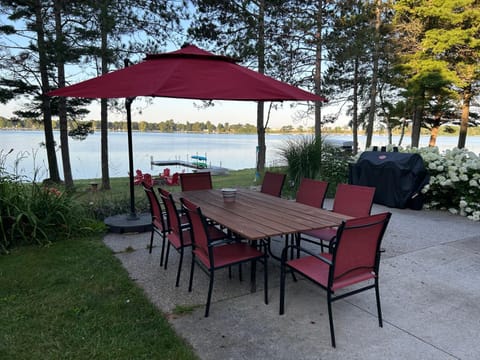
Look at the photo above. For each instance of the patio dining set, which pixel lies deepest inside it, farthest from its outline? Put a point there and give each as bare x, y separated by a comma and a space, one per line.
227, 232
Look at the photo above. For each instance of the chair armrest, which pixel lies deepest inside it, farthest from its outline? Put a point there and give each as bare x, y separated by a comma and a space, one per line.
225, 241
303, 250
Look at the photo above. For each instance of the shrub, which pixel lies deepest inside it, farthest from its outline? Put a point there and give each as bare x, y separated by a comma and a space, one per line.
454, 181
303, 155
31, 213
311, 157
36, 214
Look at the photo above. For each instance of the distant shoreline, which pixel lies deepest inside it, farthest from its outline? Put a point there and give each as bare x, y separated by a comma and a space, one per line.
271, 132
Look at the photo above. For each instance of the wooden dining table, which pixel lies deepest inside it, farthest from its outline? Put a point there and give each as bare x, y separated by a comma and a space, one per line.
256, 216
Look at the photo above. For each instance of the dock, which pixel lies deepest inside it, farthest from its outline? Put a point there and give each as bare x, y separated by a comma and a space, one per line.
198, 166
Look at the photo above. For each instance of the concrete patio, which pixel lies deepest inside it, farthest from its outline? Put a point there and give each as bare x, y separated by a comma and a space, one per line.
429, 288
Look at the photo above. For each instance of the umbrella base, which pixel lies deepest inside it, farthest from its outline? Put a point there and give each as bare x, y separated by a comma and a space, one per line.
123, 224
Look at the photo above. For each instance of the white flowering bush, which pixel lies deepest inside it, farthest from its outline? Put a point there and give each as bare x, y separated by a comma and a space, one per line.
454, 180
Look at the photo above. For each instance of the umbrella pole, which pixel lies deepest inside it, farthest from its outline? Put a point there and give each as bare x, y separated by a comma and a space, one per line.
128, 106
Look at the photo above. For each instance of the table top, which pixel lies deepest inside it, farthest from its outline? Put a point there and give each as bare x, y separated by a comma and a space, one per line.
255, 215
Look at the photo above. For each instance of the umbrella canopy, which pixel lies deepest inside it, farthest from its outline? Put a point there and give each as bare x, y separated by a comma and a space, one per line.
188, 73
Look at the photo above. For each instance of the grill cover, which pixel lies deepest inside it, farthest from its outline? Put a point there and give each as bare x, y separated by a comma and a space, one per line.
397, 177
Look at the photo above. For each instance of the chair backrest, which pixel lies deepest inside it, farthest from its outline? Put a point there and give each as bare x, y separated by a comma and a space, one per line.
312, 192
198, 230
356, 254
173, 219
273, 183
172, 180
138, 177
353, 200
147, 179
155, 208
196, 181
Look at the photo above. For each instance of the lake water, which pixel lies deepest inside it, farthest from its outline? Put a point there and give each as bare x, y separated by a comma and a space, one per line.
230, 151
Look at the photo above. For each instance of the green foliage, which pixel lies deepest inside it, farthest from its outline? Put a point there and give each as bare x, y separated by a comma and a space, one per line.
303, 155
334, 167
311, 157
31, 213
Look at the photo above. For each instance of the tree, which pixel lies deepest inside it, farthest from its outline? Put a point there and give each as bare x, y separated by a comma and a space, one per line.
33, 71
440, 44
246, 30
455, 38
106, 28
350, 64
61, 57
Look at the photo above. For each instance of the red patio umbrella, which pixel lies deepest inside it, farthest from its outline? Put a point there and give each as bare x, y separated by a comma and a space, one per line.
188, 73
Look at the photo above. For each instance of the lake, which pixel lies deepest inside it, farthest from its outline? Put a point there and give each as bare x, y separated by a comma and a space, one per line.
229, 151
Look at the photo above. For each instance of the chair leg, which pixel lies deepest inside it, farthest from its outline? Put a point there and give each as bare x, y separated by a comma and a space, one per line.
240, 272
151, 241
179, 270
253, 276
167, 255
297, 242
164, 239
282, 289
330, 317
379, 309
210, 289
192, 267
265, 278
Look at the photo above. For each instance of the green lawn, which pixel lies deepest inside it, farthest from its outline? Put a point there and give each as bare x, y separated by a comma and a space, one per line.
74, 300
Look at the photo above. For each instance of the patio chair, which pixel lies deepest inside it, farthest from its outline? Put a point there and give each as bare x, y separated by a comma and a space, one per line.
172, 180
137, 180
351, 200
310, 192
158, 218
213, 255
355, 259
196, 181
272, 183
179, 235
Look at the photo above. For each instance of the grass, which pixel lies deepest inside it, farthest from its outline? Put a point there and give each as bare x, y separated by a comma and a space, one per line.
74, 300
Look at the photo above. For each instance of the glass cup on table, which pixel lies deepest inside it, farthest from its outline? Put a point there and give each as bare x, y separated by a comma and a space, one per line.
229, 195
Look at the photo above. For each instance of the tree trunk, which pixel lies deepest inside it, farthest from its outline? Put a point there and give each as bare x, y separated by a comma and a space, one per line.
104, 105
402, 133
46, 109
62, 101
373, 88
318, 70
355, 107
417, 121
434, 132
260, 106
262, 149
462, 136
